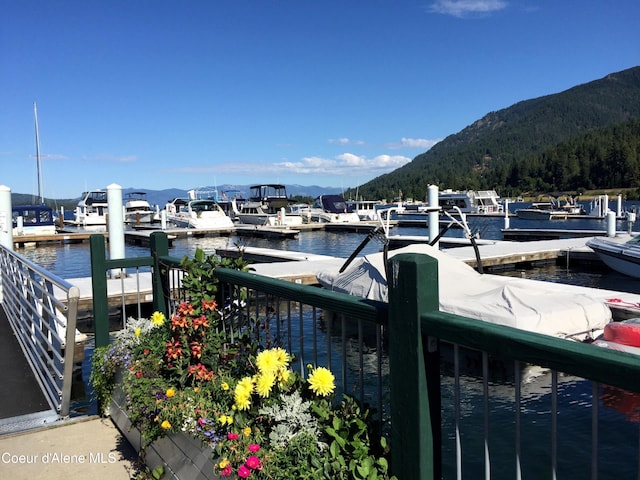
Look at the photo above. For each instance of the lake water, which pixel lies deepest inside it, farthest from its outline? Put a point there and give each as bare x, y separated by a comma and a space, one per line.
619, 462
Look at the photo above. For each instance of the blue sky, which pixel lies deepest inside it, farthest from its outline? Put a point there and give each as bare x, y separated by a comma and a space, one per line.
164, 93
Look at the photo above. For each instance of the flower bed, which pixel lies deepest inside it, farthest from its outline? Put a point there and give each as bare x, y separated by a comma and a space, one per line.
189, 384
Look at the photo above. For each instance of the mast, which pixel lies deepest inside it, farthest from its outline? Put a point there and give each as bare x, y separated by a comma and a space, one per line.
35, 115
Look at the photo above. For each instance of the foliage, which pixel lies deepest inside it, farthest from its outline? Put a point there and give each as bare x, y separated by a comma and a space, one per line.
189, 374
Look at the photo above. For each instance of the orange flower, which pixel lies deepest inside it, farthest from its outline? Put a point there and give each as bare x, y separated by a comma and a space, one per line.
196, 349
209, 305
186, 309
200, 321
178, 321
174, 349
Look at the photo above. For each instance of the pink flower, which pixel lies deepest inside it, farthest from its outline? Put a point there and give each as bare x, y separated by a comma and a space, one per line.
232, 436
253, 462
226, 471
254, 447
243, 471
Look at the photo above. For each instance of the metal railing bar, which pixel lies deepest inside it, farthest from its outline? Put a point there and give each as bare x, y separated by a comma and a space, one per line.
554, 424
594, 430
518, 419
456, 407
485, 405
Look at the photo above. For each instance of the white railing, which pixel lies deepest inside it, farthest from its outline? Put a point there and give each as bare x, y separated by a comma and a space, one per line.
42, 310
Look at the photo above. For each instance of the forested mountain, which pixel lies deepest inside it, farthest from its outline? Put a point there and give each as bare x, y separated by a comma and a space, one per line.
583, 138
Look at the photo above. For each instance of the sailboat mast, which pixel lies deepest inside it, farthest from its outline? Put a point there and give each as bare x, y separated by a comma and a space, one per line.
35, 115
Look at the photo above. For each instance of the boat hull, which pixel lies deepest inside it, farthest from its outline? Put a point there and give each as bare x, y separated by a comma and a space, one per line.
623, 257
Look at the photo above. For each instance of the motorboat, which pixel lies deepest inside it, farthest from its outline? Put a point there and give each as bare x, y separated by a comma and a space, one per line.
367, 210
33, 220
200, 214
92, 209
516, 302
620, 253
137, 209
331, 209
267, 205
481, 202
542, 211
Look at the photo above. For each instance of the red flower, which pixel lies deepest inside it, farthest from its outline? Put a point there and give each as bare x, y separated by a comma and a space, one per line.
146, 351
232, 436
254, 447
138, 374
196, 349
226, 471
253, 462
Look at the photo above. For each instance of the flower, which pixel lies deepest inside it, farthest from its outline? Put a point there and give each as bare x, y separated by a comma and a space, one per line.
224, 386
243, 471
232, 436
170, 392
166, 425
209, 305
321, 381
137, 332
264, 383
157, 319
253, 462
253, 447
246, 431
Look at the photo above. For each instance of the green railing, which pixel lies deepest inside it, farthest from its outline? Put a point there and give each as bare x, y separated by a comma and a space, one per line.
416, 334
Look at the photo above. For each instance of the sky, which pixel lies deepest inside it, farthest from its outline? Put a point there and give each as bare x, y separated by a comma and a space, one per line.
156, 94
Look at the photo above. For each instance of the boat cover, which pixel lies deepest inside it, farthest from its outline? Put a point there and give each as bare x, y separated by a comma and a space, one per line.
526, 304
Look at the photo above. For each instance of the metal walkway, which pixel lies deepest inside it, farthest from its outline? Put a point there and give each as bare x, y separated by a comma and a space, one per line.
22, 402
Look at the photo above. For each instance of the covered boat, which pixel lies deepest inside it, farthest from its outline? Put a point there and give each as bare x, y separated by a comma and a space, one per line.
525, 304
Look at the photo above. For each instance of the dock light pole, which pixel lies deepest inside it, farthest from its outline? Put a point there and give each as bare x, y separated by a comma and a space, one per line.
115, 225
434, 214
6, 218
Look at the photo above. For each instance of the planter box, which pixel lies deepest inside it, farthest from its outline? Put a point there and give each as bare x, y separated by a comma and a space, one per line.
183, 457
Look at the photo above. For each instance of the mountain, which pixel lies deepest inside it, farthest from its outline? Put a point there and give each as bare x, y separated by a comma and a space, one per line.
489, 153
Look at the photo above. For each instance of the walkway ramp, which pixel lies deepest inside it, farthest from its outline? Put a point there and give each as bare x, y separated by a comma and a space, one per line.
23, 405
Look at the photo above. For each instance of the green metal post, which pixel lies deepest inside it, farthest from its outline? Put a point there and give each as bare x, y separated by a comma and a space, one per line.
159, 248
99, 290
415, 441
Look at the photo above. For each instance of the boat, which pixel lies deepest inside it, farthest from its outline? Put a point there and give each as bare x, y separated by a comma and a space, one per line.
267, 205
620, 253
516, 302
197, 213
331, 209
481, 202
36, 219
137, 209
367, 210
542, 211
92, 209
33, 220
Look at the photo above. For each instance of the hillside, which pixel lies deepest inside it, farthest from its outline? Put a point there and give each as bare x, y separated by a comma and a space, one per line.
496, 151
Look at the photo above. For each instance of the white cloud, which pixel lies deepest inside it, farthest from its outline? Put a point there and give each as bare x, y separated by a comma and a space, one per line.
345, 164
421, 143
345, 141
461, 8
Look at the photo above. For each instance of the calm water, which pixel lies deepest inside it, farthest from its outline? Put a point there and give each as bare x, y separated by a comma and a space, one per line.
616, 428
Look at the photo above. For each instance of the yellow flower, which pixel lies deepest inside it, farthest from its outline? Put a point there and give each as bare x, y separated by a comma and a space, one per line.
242, 393
283, 357
243, 401
264, 383
170, 392
165, 424
224, 386
157, 319
246, 431
321, 381
224, 463
284, 376
267, 361
137, 331
222, 419
245, 385
229, 419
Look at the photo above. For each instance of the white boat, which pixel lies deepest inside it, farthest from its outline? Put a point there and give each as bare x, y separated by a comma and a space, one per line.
367, 210
137, 209
520, 303
92, 209
542, 211
331, 209
481, 202
620, 253
267, 205
201, 214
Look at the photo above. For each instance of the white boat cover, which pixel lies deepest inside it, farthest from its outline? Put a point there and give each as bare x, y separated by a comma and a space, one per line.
525, 304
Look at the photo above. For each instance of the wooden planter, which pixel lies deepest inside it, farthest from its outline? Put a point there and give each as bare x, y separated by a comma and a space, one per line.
183, 457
